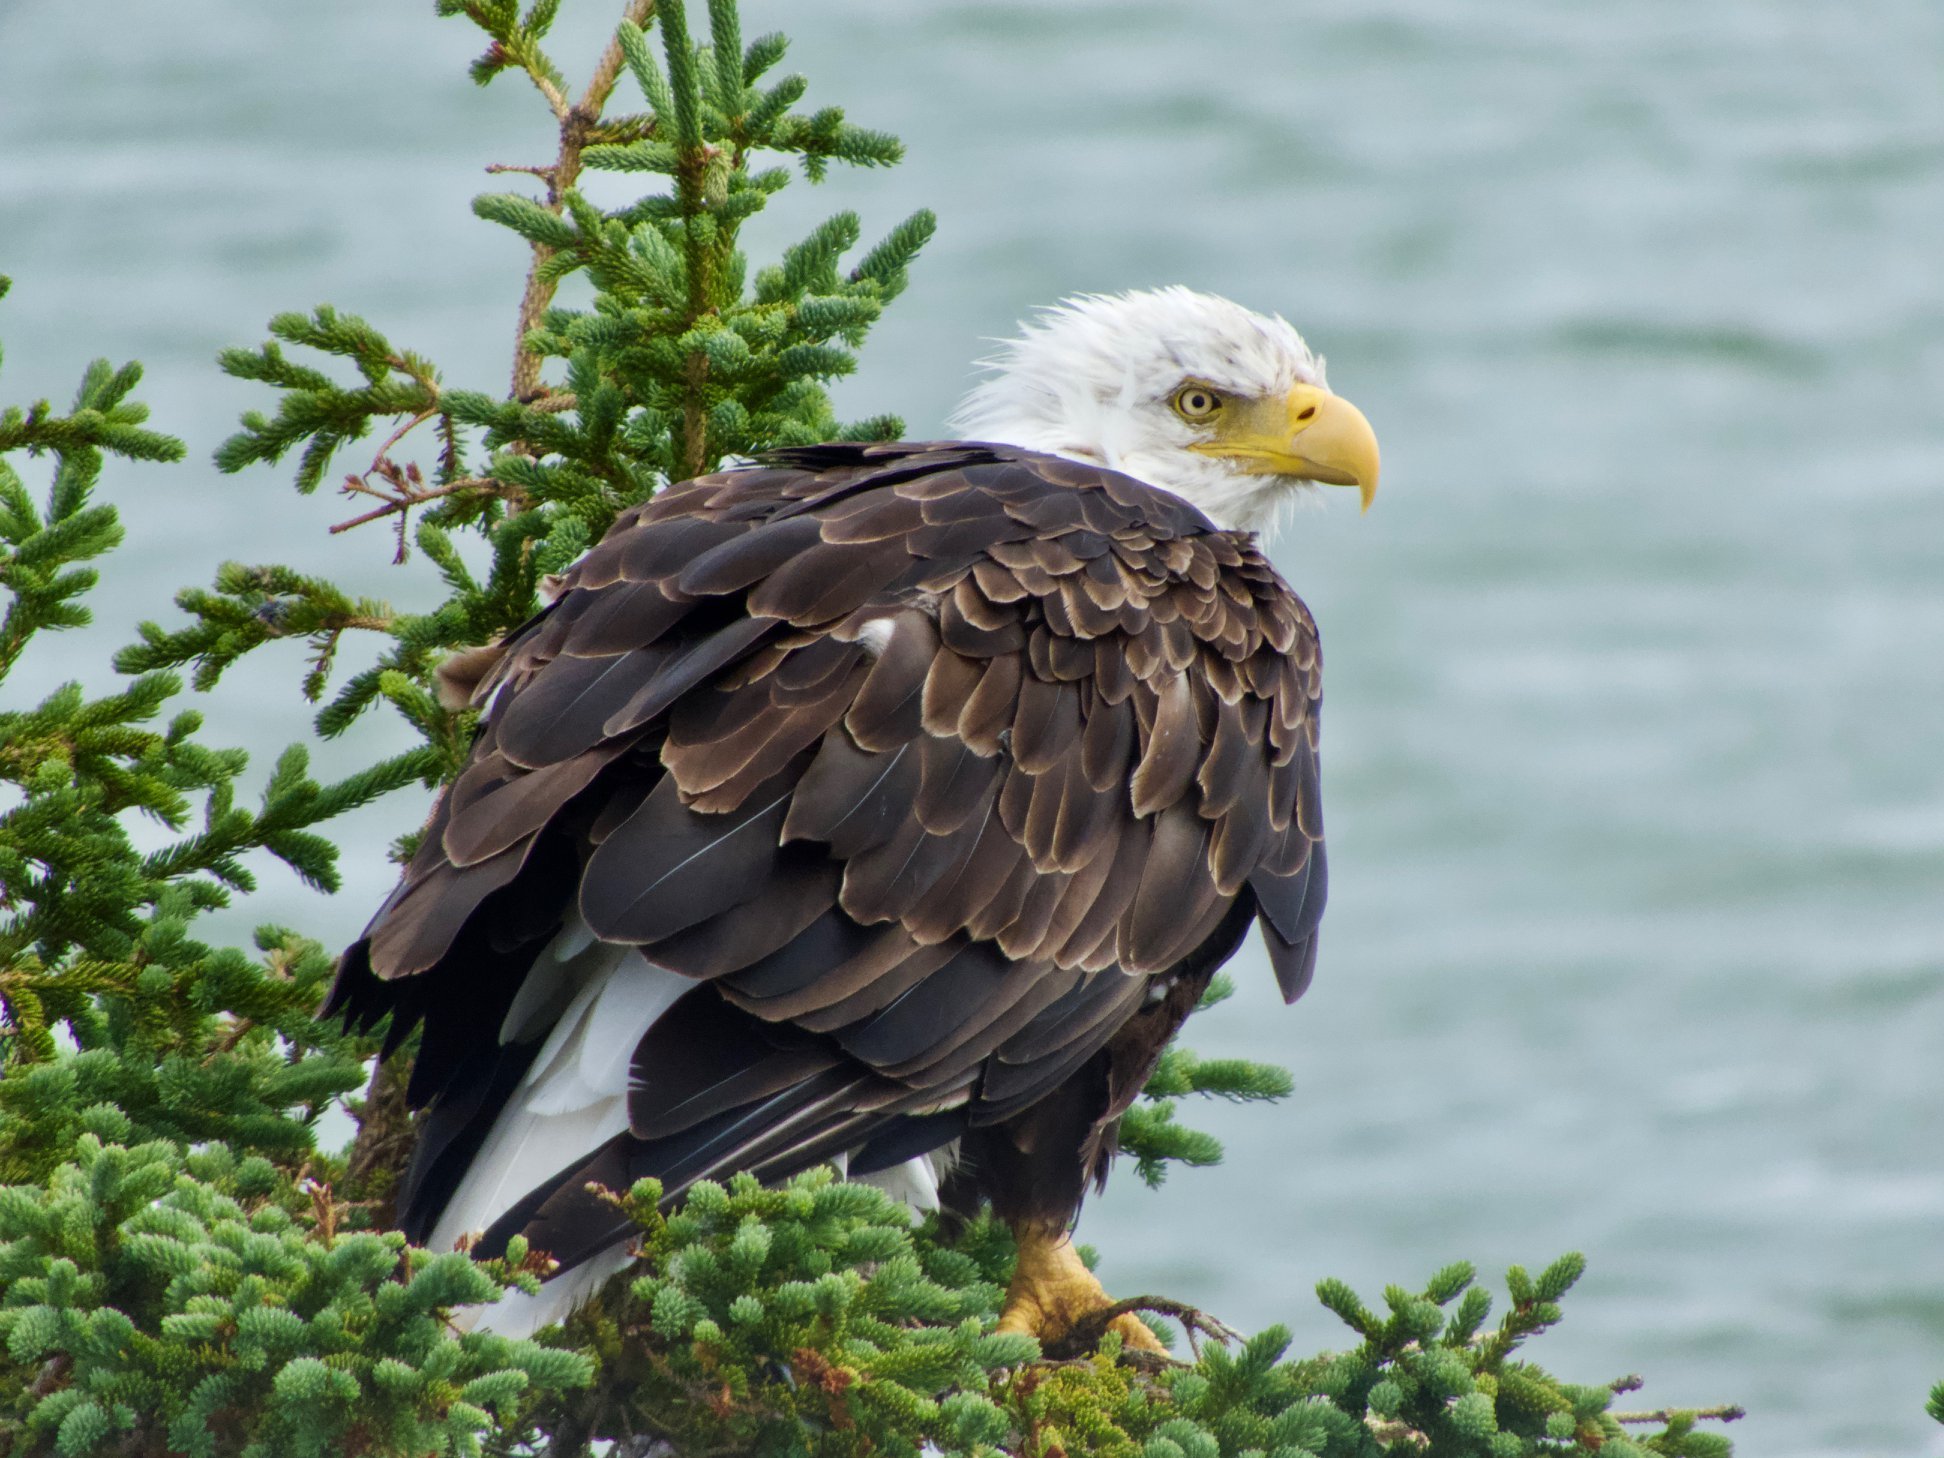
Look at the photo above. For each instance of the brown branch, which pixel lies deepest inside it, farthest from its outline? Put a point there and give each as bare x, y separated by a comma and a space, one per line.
384, 1142
406, 482
607, 70
695, 424
544, 85
235, 1033
577, 123
1085, 1334
383, 452
409, 498
1727, 1413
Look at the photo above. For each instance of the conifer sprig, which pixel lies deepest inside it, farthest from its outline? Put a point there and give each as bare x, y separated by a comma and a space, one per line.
106, 998
1148, 1131
184, 1304
41, 548
1425, 1381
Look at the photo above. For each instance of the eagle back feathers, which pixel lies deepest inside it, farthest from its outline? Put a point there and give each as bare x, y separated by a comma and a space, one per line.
920, 762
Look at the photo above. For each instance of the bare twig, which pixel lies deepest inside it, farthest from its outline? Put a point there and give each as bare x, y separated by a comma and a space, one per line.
379, 457
408, 494
556, 99
600, 86
1726, 1413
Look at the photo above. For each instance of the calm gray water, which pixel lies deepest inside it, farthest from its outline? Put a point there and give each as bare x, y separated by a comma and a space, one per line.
1633, 758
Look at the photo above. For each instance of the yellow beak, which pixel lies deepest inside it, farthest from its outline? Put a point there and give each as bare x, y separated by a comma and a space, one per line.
1309, 434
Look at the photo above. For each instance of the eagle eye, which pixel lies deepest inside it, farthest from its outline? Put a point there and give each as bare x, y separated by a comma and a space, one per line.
1195, 403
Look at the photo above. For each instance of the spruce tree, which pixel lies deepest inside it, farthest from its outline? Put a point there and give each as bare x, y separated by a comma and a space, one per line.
183, 1270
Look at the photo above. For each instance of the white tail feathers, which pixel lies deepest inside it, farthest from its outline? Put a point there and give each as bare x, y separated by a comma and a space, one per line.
575, 1096
572, 1101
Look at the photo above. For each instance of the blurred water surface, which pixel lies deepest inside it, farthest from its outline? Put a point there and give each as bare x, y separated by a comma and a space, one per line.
1633, 752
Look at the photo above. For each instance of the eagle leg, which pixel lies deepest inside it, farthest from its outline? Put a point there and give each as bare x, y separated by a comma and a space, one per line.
1052, 1289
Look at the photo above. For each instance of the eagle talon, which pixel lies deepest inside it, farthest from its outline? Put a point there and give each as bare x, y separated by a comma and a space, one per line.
1053, 1293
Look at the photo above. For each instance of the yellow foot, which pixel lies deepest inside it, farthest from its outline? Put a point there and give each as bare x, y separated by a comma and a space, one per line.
1052, 1289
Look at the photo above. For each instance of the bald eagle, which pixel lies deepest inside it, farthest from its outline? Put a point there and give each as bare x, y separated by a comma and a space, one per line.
884, 805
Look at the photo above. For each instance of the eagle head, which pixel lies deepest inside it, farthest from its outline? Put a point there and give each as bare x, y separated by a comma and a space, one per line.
1225, 407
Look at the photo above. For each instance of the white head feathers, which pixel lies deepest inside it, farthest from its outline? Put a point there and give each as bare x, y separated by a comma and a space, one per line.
1092, 379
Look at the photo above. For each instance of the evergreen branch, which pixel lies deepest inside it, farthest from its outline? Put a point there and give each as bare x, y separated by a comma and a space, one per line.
1148, 1131
515, 44
577, 124
316, 411
292, 802
252, 606
39, 549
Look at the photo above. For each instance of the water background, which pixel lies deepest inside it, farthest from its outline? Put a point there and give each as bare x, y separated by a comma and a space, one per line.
1635, 743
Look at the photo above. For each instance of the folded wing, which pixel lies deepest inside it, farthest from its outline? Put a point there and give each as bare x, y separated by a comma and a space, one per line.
847, 805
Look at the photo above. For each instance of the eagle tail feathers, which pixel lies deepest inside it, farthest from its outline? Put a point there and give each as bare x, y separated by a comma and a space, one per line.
574, 1094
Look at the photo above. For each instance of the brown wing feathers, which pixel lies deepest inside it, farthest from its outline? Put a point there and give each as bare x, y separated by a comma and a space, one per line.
917, 758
